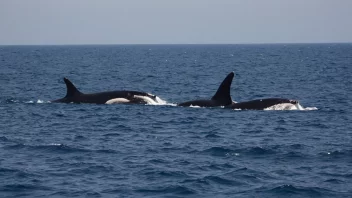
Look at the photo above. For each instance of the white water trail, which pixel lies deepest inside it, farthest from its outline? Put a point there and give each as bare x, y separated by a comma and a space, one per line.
289, 106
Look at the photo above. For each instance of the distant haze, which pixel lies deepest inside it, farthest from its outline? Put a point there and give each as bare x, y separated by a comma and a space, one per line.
49, 22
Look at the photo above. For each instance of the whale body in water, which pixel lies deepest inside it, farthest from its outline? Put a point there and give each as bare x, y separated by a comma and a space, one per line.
73, 95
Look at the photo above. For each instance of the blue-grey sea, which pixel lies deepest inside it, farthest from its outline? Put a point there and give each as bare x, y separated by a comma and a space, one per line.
89, 150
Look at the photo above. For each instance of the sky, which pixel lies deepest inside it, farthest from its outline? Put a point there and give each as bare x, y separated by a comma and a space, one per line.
60, 22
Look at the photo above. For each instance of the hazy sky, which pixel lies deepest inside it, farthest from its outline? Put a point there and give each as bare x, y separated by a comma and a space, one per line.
174, 21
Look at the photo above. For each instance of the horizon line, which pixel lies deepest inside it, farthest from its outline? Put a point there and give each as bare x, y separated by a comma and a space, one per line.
100, 44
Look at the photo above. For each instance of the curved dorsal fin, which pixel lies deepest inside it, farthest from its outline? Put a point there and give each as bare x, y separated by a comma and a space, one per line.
223, 92
71, 89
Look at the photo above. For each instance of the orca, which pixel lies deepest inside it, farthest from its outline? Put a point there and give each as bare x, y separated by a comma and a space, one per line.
222, 96
73, 95
261, 104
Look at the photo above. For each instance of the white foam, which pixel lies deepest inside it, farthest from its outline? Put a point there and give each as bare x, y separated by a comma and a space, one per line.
310, 108
299, 107
160, 101
38, 101
284, 106
289, 106
55, 144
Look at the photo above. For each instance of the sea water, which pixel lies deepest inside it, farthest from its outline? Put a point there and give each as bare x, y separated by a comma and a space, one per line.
88, 150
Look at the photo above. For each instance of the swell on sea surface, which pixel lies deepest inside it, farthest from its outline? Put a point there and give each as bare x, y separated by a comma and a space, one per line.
279, 152
276, 151
288, 190
52, 148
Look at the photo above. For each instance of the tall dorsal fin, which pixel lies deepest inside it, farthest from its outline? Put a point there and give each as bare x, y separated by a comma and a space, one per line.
71, 89
223, 92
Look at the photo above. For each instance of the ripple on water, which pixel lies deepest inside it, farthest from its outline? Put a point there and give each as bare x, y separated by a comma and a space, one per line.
217, 151
249, 151
90, 169
212, 135
52, 148
22, 187
255, 151
290, 190
151, 174
337, 154
334, 181
222, 181
112, 134
56, 148
215, 166
75, 193
250, 176
168, 190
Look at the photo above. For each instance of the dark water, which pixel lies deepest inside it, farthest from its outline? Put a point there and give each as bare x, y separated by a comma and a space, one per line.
86, 150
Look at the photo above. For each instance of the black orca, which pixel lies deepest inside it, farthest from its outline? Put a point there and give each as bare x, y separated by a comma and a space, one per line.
221, 98
73, 95
260, 104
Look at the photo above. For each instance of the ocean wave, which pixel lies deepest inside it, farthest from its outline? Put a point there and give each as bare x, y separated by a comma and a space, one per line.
4, 139
172, 189
105, 151
8, 170
215, 166
217, 151
157, 161
257, 150
222, 181
222, 151
330, 172
294, 155
290, 190
297, 146
212, 135
55, 148
212, 180
249, 175
337, 154
112, 134
277, 151
334, 181
22, 187
90, 169
75, 193
156, 174
17, 173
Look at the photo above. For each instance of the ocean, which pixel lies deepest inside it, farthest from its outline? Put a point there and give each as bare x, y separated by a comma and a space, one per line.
89, 150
